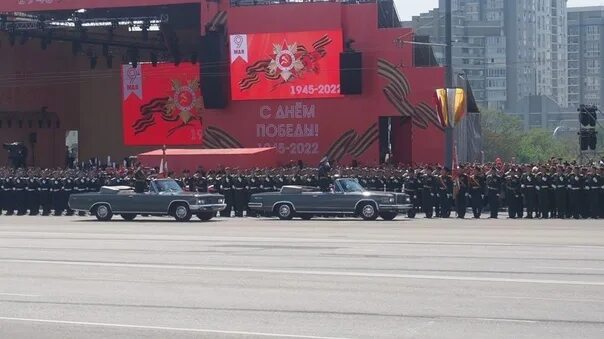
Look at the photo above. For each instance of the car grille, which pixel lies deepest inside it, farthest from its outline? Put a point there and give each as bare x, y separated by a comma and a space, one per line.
401, 199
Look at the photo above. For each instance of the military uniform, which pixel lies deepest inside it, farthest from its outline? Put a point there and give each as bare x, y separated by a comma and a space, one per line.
45, 196
594, 184
445, 193
240, 195
57, 196
226, 186
428, 192
529, 193
68, 190
543, 186
476, 195
33, 196
575, 186
2, 195
493, 183
412, 188
21, 195
514, 196
461, 197
253, 188
560, 187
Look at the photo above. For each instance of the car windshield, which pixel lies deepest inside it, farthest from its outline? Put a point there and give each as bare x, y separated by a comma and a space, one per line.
167, 186
350, 185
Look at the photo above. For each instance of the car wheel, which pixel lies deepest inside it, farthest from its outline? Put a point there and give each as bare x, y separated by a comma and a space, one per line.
205, 216
103, 212
182, 213
285, 212
128, 216
306, 216
411, 214
369, 212
388, 216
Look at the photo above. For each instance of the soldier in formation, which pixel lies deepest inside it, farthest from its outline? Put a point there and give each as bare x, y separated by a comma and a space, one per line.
527, 191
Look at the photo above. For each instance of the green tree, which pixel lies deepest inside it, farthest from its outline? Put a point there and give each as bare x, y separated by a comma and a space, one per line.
500, 135
504, 137
538, 146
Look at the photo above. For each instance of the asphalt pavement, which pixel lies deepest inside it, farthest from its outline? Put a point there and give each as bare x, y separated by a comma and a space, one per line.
64, 277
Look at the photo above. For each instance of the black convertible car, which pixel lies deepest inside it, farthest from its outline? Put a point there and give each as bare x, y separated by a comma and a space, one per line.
346, 198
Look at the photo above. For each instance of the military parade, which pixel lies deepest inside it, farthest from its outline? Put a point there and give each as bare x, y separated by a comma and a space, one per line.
555, 190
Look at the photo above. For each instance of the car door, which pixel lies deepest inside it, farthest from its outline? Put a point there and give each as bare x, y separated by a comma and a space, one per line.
313, 202
143, 202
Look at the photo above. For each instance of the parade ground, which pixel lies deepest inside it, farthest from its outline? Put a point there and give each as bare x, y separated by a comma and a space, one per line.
74, 277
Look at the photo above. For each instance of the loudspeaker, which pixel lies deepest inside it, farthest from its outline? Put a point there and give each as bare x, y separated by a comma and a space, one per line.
33, 138
351, 73
214, 67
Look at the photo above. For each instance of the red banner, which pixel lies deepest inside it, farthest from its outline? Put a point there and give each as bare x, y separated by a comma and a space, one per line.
285, 65
162, 105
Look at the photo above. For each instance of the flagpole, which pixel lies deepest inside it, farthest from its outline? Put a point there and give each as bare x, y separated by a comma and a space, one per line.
449, 79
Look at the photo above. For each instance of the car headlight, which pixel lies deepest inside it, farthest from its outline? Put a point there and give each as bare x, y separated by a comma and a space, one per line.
221, 201
201, 201
407, 199
390, 200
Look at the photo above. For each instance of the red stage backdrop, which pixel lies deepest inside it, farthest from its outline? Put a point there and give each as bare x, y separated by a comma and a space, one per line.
162, 104
285, 65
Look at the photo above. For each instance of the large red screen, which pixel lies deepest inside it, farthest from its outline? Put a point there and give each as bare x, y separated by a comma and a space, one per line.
285, 65
161, 105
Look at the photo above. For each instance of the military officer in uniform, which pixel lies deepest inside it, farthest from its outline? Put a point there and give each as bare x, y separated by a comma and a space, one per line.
253, 188
461, 193
67, 192
45, 197
428, 192
514, 194
21, 194
226, 186
493, 182
595, 186
445, 193
2, 193
411, 188
560, 186
529, 191
575, 186
9, 195
476, 192
543, 186
33, 195
57, 195
240, 195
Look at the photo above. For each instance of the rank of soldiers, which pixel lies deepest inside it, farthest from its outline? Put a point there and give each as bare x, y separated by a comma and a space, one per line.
525, 191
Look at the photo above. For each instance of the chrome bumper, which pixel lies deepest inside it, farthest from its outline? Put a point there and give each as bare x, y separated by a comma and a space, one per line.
396, 208
207, 208
254, 205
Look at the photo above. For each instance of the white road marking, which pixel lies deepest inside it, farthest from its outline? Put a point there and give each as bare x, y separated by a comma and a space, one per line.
508, 320
547, 299
571, 268
164, 328
19, 295
308, 272
168, 237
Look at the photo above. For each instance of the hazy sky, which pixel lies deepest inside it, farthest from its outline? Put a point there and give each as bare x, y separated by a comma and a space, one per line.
408, 8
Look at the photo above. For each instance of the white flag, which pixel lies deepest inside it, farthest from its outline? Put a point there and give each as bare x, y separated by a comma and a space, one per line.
132, 79
238, 47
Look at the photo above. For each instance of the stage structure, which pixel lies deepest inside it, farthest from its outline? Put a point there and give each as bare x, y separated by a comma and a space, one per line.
130, 76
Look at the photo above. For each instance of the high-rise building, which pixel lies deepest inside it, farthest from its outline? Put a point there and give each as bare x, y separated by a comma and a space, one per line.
508, 50
586, 56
